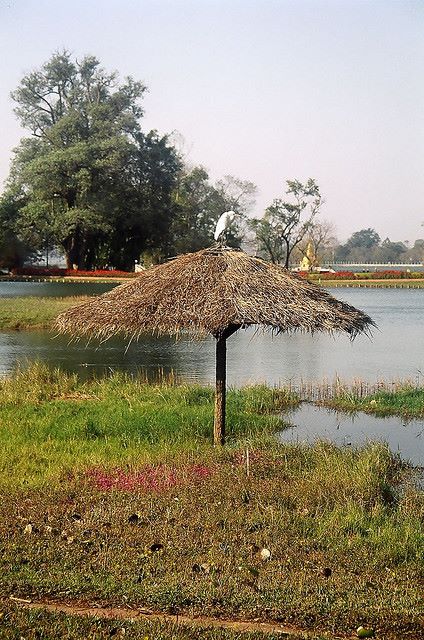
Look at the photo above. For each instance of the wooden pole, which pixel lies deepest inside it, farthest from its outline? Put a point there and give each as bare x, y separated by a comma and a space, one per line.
221, 384
220, 391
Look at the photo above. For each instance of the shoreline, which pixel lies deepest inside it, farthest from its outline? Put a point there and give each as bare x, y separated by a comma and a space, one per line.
37, 312
395, 283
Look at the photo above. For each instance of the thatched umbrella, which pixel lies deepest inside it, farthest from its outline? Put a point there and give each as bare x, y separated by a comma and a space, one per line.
214, 291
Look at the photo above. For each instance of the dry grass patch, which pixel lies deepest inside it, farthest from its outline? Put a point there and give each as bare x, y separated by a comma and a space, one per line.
346, 544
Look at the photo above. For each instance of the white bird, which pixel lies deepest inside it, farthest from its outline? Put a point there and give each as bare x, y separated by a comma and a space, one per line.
223, 223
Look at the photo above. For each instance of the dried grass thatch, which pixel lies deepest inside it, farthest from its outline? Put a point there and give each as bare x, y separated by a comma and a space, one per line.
208, 292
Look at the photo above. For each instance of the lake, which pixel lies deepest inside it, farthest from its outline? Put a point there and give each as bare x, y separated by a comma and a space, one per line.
395, 350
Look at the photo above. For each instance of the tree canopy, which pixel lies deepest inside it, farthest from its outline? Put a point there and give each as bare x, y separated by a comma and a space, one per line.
200, 203
366, 246
13, 249
286, 222
90, 181
100, 187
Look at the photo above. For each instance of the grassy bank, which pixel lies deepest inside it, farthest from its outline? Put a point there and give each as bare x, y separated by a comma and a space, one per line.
399, 398
407, 402
374, 284
33, 312
52, 422
111, 493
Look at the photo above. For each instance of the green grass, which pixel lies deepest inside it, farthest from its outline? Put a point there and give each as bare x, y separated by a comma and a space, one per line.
33, 312
112, 493
407, 402
51, 422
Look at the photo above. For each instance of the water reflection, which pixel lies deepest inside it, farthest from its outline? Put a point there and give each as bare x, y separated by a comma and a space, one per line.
149, 355
311, 423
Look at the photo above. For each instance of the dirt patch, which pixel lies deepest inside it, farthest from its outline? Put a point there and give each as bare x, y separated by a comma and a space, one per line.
203, 622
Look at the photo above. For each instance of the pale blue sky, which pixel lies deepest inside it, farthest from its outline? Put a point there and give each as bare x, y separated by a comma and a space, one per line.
265, 90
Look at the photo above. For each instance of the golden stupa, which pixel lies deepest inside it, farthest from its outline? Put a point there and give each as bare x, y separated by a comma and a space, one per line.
309, 260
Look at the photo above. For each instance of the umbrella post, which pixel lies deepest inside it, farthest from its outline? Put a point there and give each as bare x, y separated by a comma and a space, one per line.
221, 385
220, 391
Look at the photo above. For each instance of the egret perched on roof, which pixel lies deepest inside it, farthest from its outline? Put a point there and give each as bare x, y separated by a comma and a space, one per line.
223, 224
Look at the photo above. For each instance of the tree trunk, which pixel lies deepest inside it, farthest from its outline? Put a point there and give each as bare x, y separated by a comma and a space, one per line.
287, 260
220, 385
73, 250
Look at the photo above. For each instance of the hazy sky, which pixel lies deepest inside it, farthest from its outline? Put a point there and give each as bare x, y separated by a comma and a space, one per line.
265, 90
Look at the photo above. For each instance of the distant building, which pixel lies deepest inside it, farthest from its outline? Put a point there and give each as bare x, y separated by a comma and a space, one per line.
309, 261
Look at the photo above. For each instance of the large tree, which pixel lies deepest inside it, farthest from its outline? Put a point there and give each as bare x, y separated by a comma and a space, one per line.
360, 247
13, 249
416, 252
192, 225
391, 251
146, 227
286, 222
89, 174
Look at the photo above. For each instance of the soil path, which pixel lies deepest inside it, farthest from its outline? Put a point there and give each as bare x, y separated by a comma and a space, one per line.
117, 613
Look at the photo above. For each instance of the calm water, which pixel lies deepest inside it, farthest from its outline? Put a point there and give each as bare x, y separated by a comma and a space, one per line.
395, 350
311, 423
53, 289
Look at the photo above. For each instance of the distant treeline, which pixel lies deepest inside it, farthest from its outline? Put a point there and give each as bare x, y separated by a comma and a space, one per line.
90, 184
367, 246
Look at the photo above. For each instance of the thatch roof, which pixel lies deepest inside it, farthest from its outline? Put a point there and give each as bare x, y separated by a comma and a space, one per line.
207, 292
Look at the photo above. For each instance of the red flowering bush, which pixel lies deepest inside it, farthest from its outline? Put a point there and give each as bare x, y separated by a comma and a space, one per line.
38, 271
101, 273
382, 275
338, 275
